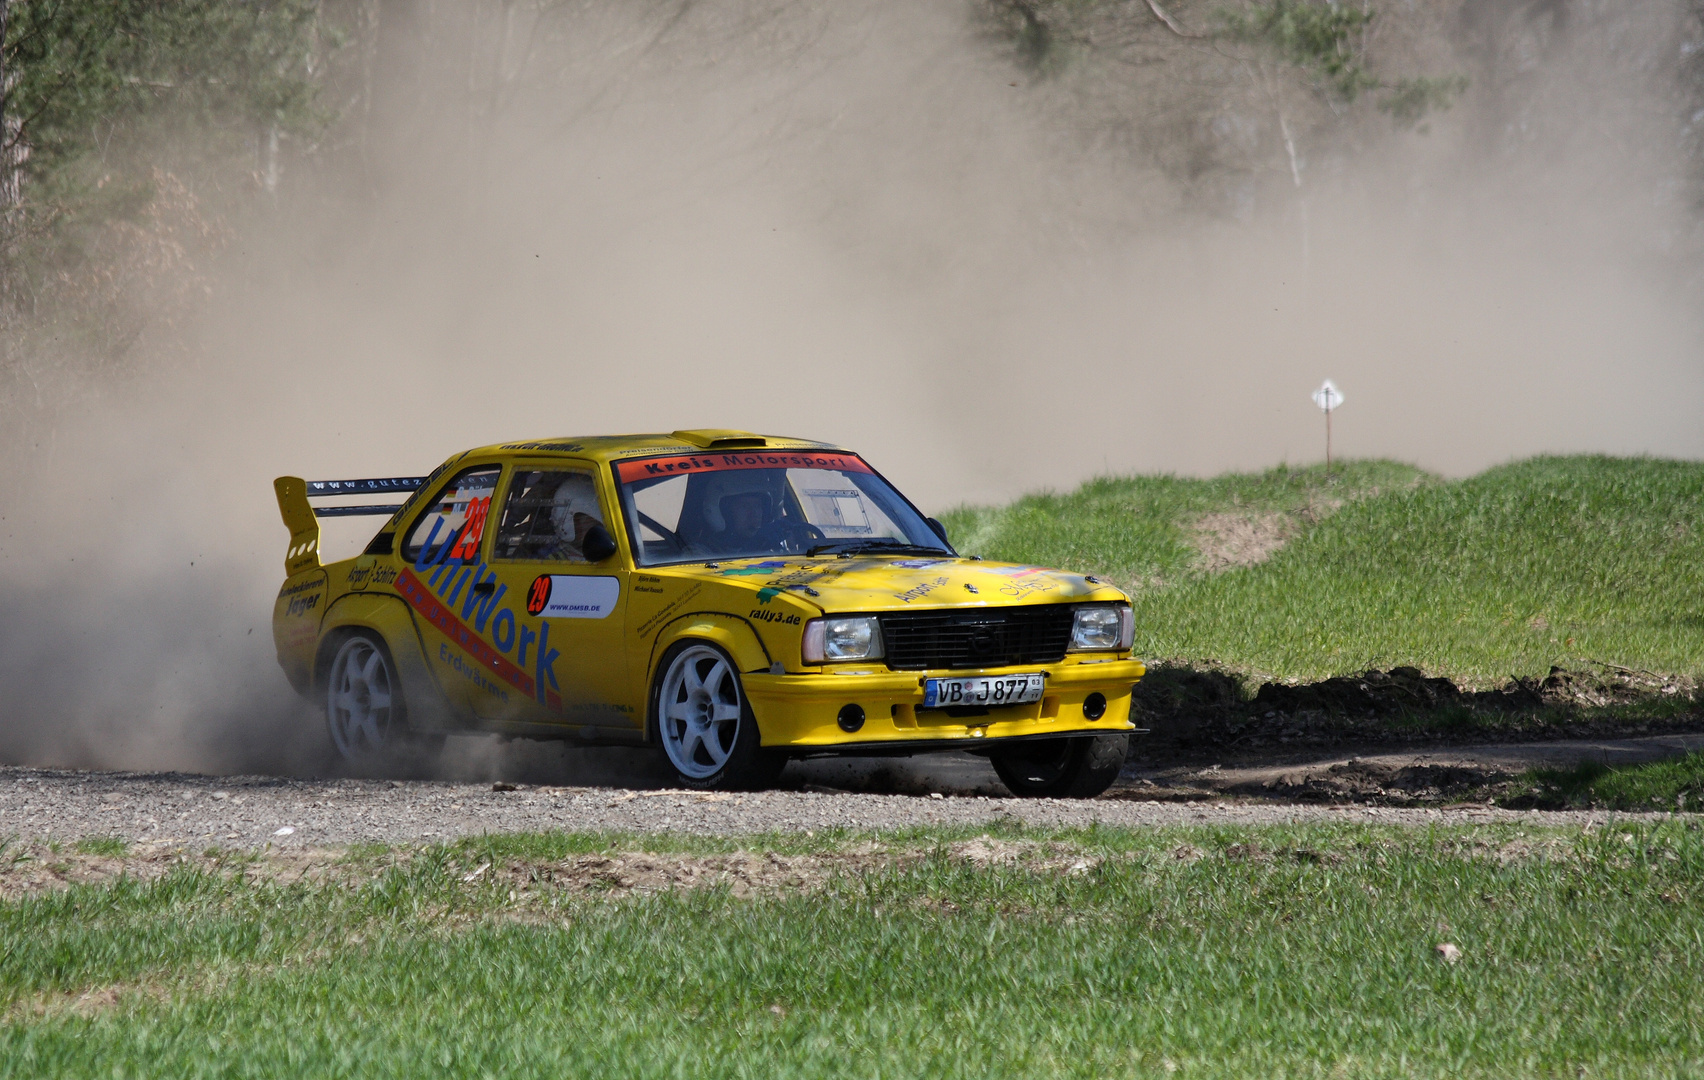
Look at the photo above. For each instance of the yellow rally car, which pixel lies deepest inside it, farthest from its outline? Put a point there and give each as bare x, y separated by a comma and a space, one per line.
737, 599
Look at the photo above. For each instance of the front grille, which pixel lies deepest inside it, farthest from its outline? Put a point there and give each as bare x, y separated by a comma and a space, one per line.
980, 638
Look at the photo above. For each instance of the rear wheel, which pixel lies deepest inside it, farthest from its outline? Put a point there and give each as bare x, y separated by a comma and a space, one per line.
706, 725
1078, 768
365, 714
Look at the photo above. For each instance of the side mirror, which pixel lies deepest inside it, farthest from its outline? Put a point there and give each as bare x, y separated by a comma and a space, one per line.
598, 544
940, 530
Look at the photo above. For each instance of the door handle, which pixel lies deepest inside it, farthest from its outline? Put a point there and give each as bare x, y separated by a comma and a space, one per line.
484, 586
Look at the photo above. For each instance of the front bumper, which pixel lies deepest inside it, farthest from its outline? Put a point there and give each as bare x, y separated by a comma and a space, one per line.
801, 711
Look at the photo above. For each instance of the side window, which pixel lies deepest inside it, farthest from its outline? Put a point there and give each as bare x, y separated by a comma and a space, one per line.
459, 513
547, 515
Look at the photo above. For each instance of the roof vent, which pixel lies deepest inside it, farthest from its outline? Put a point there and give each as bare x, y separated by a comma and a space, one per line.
721, 439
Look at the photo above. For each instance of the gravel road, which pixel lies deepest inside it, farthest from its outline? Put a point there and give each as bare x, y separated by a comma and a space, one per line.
540, 786
253, 811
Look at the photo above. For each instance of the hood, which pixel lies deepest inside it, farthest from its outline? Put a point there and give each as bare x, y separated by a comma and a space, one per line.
890, 583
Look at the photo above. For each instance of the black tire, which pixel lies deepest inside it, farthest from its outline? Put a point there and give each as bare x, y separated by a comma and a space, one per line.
1067, 768
702, 722
364, 736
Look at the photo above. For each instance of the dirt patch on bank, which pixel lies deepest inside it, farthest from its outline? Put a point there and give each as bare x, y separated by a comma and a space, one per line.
1195, 712
1437, 777
1226, 541
35, 869
30, 869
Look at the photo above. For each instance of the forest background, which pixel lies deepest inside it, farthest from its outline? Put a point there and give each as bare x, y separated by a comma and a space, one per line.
144, 139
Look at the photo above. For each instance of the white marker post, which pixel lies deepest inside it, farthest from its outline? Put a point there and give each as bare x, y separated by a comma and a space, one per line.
1328, 397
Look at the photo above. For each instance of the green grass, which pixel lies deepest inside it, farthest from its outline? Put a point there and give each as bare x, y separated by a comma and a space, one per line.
103, 845
1563, 561
1137, 529
1672, 784
1294, 951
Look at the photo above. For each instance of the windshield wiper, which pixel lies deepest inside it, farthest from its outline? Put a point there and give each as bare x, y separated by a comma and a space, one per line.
883, 547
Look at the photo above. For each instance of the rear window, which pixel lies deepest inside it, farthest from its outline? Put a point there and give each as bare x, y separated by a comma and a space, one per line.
457, 513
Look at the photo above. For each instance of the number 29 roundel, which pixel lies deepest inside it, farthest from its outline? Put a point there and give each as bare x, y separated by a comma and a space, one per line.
538, 595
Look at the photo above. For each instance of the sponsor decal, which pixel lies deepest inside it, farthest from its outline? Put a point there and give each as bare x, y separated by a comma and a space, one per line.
1025, 588
469, 672
572, 596
301, 605
538, 594
437, 599
920, 591
636, 451
439, 614
780, 618
304, 634
677, 464
668, 612
799, 579
472, 529
362, 576
764, 567
918, 564
299, 587
558, 447
600, 707
1025, 580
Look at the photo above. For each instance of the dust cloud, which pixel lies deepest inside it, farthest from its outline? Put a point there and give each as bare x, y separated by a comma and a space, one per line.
847, 221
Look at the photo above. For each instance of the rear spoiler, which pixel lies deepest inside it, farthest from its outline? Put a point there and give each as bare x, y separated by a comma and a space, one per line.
302, 517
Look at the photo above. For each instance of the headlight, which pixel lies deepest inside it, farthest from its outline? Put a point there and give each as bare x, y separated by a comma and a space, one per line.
855, 638
1103, 626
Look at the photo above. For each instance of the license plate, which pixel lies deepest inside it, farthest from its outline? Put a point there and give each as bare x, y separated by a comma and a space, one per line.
983, 690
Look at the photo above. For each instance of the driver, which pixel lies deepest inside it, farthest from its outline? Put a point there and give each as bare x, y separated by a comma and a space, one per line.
573, 512
750, 525
746, 513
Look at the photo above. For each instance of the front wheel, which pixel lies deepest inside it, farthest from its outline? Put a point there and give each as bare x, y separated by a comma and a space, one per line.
705, 723
1079, 768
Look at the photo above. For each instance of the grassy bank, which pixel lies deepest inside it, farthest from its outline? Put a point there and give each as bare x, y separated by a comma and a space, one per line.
1674, 784
1569, 561
1222, 952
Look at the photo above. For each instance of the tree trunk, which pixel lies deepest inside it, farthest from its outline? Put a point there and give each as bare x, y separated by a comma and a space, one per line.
11, 157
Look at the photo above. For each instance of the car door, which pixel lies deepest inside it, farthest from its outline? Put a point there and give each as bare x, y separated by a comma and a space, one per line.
439, 550
569, 611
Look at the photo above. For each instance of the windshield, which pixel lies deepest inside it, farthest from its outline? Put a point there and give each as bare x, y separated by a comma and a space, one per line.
692, 507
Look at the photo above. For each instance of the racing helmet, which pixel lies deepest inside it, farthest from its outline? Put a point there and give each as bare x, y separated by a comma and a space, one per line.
574, 495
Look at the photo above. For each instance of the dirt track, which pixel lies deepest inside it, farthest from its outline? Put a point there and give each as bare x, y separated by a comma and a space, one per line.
252, 811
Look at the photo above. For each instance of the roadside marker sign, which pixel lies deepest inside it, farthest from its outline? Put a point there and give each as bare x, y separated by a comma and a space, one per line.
1328, 398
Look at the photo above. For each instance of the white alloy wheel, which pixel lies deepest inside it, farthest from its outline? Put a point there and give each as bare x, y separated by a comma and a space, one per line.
358, 708
698, 711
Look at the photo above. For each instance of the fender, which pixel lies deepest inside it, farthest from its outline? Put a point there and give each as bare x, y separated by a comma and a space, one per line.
296, 617
737, 637
428, 709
